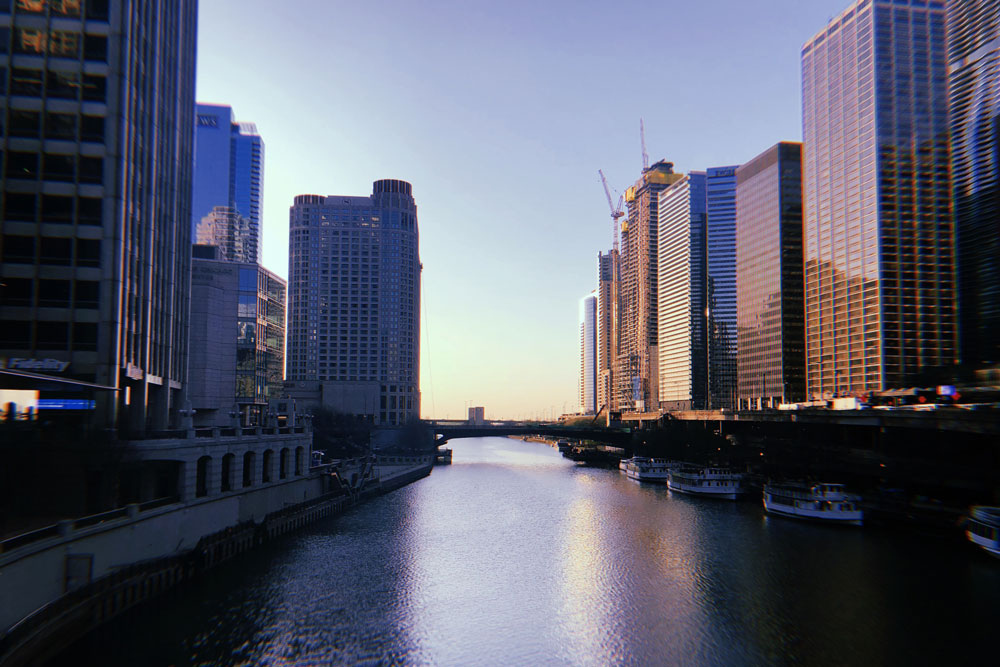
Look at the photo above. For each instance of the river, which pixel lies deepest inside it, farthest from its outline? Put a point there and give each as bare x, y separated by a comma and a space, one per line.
516, 556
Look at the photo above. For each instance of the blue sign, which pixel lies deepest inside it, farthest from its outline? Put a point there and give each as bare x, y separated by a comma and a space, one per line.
65, 404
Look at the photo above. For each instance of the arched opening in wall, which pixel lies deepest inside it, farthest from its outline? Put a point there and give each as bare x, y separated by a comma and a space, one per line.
299, 454
201, 480
249, 462
227, 471
283, 464
268, 461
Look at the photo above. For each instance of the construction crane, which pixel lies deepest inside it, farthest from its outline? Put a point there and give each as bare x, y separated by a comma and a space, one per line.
616, 211
642, 139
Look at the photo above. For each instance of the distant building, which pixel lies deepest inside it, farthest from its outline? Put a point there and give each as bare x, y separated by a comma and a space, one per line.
608, 319
636, 365
477, 416
238, 321
681, 311
769, 307
354, 303
878, 245
228, 173
720, 243
230, 232
588, 354
96, 247
974, 102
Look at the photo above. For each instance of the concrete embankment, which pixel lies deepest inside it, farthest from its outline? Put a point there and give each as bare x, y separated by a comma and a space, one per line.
136, 557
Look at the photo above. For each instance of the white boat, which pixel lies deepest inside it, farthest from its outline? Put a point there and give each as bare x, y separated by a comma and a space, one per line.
648, 470
722, 483
822, 502
983, 528
623, 464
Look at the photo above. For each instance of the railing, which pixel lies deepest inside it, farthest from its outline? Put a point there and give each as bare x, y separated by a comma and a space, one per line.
12, 543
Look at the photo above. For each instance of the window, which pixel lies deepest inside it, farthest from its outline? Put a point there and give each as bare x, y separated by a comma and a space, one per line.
19, 206
18, 249
88, 252
57, 251
16, 291
52, 335
85, 336
23, 123
59, 167
92, 128
91, 169
26, 82
95, 47
97, 10
22, 165
89, 211
60, 126
56, 208
64, 85
88, 294
15, 334
94, 87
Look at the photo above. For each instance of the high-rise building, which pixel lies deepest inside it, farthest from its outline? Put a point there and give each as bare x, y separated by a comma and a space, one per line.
879, 270
769, 307
588, 354
607, 328
238, 321
354, 303
720, 243
682, 294
230, 232
974, 99
228, 173
96, 246
636, 367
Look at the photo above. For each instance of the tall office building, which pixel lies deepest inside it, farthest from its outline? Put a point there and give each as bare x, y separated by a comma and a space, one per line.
238, 321
682, 294
607, 328
720, 242
354, 303
974, 100
588, 354
879, 270
230, 232
636, 368
769, 309
228, 173
98, 126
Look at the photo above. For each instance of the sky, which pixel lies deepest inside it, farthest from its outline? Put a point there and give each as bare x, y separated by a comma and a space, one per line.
500, 114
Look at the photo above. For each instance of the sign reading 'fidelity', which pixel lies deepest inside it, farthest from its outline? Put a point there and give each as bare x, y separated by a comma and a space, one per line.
17, 363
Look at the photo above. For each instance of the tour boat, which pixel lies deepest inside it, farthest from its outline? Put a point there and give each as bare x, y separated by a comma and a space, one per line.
983, 528
623, 464
648, 470
722, 483
822, 502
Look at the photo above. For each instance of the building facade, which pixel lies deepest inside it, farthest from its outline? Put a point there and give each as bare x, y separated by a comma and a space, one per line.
238, 321
682, 308
228, 173
878, 233
588, 354
636, 367
720, 244
607, 328
354, 303
769, 306
230, 232
98, 123
974, 103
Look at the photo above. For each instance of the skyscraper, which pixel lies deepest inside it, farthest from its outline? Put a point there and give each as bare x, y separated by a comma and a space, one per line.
769, 278
607, 328
636, 368
228, 173
879, 271
230, 233
588, 354
96, 245
682, 308
974, 101
720, 243
354, 303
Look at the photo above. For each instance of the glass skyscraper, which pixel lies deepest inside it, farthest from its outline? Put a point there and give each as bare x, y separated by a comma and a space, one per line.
228, 173
720, 241
681, 294
974, 100
879, 270
354, 303
769, 290
98, 123
608, 313
588, 354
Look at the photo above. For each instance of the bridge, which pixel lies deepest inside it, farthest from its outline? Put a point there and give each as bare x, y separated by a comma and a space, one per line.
443, 432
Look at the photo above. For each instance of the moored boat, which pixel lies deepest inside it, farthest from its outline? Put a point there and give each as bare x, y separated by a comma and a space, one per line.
821, 501
648, 470
983, 528
723, 483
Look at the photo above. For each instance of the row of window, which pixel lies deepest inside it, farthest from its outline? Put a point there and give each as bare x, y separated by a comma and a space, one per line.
49, 293
61, 126
53, 208
55, 43
43, 335
92, 10
53, 84
53, 167
51, 251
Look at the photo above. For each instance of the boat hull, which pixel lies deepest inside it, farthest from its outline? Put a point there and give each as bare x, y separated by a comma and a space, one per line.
657, 477
722, 493
844, 518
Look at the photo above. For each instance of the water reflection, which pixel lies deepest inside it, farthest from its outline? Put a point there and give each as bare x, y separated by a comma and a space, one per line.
513, 555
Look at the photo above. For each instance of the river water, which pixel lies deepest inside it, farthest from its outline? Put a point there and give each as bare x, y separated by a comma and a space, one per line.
516, 556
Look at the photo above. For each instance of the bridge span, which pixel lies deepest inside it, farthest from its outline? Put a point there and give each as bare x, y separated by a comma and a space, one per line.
445, 432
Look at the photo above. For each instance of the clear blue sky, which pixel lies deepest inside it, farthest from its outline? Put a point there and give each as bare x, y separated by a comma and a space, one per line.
500, 115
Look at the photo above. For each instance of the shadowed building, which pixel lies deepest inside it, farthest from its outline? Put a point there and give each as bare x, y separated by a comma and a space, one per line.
720, 244
974, 101
878, 234
769, 278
